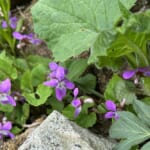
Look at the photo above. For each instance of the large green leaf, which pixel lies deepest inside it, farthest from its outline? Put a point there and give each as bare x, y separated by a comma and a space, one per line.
146, 146
117, 89
73, 26
129, 128
143, 111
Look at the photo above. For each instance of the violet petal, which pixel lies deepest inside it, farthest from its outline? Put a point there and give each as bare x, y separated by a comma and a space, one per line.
128, 74
116, 116
60, 73
110, 105
7, 125
109, 115
76, 103
51, 83
60, 93
11, 101
5, 86
13, 22
75, 92
11, 135
69, 84
53, 66
4, 24
77, 111
18, 35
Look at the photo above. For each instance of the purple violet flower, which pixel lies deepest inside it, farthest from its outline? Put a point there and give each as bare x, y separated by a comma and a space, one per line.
59, 81
5, 130
5, 98
76, 102
4, 24
26, 37
13, 22
145, 71
112, 111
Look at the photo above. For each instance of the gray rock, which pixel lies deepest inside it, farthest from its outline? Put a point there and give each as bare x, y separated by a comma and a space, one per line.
58, 133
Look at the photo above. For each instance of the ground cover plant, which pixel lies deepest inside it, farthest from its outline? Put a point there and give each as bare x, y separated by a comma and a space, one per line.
110, 35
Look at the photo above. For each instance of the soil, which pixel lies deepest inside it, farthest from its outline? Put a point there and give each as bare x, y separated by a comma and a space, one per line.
103, 75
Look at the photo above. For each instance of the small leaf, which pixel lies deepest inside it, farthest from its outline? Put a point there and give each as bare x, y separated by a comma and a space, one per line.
110, 62
8, 69
6, 108
39, 97
146, 85
143, 111
38, 74
56, 105
101, 108
87, 83
34, 60
117, 89
76, 68
86, 120
85, 107
69, 112
16, 130
129, 128
20, 114
26, 82
21, 64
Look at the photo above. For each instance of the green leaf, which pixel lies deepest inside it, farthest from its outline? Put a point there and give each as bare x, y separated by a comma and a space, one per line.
85, 107
38, 74
69, 112
26, 82
34, 60
8, 69
6, 108
143, 111
146, 146
117, 89
76, 68
56, 105
73, 26
86, 120
39, 97
101, 108
129, 128
21, 64
16, 130
20, 114
146, 85
110, 62
87, 83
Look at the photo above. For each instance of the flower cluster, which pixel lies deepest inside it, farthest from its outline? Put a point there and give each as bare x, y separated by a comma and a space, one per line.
128, 74
26, 38
58, 80
12, 23
76, 102
5, 130
112, 110
5, 98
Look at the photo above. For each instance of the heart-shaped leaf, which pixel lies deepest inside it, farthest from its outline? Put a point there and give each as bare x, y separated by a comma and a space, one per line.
73, 26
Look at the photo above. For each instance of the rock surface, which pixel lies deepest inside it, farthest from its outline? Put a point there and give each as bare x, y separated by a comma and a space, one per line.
58, 133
